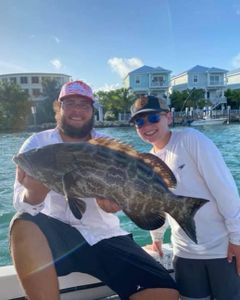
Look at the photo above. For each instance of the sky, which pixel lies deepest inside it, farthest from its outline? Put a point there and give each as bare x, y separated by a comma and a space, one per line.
101, 41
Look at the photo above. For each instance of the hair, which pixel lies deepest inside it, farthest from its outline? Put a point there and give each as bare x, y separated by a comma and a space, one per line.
56, 109
68, 129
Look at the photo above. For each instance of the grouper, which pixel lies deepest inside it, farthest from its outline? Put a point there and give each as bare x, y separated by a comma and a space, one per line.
103, 168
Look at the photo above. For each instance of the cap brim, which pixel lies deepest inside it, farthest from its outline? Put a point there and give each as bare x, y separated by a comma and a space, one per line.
142, 111
75, 95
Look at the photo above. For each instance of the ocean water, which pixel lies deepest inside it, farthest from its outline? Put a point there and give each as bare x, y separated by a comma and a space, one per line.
226, 137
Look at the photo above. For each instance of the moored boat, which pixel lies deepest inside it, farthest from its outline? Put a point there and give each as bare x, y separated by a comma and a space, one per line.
209, 121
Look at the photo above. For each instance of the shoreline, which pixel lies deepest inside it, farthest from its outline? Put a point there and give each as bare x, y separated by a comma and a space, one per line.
178, 121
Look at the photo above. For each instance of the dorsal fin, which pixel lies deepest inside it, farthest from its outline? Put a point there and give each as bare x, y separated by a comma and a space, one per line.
160, 167
115, 145
149, 159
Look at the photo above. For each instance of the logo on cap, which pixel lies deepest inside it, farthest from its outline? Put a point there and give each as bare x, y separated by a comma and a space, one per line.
140, 103
77, 88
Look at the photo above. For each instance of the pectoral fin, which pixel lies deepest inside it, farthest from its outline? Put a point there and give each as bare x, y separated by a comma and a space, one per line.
77, 205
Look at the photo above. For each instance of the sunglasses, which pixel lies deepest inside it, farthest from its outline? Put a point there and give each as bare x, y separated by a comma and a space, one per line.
151, 118
71, 104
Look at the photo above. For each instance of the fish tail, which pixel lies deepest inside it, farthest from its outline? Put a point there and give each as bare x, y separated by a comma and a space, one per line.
185, 212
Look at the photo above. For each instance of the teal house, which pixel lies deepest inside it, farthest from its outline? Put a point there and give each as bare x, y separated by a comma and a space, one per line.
149, 81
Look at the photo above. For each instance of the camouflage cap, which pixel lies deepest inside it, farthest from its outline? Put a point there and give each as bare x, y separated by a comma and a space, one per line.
146, 104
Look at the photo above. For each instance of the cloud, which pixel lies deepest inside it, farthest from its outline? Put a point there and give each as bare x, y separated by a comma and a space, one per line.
124, 65
236, 61
56, 63
56, 39
108, 87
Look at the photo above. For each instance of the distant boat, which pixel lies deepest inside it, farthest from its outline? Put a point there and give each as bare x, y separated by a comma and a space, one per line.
209, 121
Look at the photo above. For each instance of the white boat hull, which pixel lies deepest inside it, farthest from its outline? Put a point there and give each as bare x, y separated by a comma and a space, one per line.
209, 121
74, 286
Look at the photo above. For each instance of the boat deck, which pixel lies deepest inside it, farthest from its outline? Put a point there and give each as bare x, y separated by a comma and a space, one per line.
74, 286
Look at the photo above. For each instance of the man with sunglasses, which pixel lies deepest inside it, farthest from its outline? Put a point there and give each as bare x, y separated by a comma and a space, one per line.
209, 269
48, 241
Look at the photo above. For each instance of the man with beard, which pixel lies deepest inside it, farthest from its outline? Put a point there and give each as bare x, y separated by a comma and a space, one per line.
47, 241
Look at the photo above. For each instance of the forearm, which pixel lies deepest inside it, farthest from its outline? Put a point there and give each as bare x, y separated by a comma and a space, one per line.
158, 234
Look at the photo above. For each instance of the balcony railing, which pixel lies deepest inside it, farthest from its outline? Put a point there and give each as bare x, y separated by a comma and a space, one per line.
216, 83
158, 84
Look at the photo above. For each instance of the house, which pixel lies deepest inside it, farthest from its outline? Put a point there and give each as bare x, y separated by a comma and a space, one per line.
233, 79
31, 83
211, 80
149, 81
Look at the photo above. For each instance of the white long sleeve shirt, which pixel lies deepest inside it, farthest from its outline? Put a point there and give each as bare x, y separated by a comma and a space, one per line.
95, 224
202, 173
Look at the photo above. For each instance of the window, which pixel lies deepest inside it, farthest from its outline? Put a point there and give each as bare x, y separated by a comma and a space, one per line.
26, 91
13, 79
158, 80
23, 80
138, 80
35, 79
195, 78
214, 79
36, 92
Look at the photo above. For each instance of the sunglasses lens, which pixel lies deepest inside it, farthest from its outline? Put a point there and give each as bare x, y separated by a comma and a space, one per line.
139, 122
153, 118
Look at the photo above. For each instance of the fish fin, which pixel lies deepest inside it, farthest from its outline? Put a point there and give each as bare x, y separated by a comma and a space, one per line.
77, 205
149, 221
184, 215
161, 168
115, 145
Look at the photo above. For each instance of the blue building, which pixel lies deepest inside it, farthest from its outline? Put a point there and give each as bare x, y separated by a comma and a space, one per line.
149, 81
212, 80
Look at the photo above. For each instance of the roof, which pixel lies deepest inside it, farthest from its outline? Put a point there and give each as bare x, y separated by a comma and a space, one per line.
202, 69
235, 71
147, 69
33, 73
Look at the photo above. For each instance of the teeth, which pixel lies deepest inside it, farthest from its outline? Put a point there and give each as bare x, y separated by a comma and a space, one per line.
151, 132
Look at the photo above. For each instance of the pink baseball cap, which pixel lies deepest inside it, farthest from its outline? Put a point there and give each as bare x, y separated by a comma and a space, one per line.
76, 88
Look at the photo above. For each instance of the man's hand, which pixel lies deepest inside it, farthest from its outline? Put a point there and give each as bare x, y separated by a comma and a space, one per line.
155, 246
234, 250
108, 206
35, 192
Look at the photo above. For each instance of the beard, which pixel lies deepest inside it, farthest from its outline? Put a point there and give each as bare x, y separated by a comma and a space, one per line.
74, 132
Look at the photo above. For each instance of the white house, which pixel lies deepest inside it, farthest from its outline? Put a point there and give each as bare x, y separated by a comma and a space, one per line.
233, 79
211, 80
31, 83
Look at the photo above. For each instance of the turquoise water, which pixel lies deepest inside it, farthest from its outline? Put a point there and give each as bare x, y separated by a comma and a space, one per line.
226, 137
